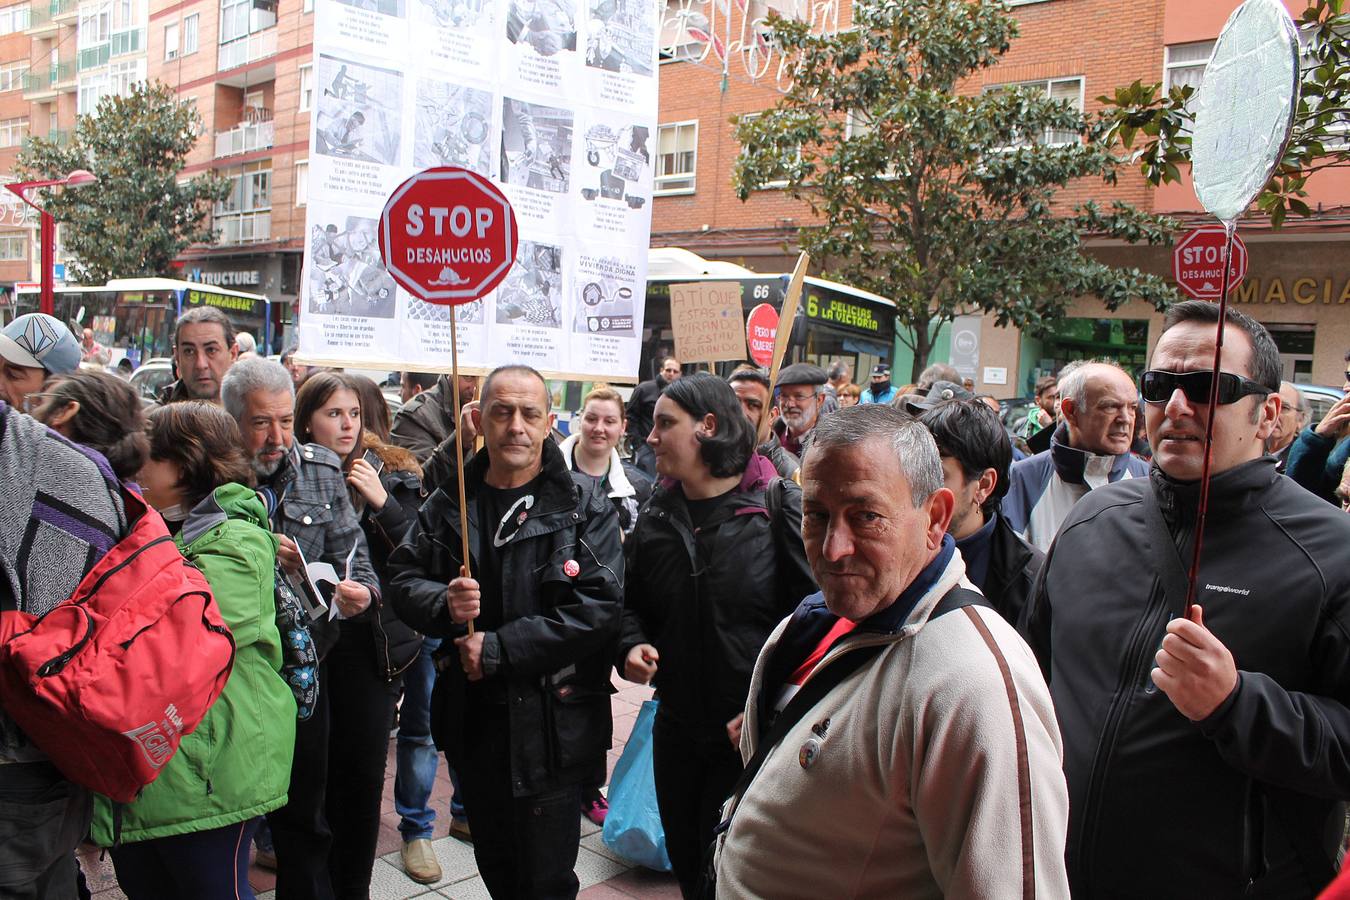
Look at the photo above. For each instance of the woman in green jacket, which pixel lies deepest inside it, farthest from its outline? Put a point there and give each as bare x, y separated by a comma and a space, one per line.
188, 833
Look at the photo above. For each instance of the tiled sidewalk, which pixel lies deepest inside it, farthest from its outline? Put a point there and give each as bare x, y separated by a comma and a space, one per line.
603, 875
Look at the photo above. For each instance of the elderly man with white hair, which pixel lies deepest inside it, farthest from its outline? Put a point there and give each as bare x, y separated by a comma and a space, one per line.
899, 739
1090, 448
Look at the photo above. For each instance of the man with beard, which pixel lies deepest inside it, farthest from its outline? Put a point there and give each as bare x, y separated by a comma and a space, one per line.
203, 351
311, 512
880, 389
1089, 449
801, 392
641, 407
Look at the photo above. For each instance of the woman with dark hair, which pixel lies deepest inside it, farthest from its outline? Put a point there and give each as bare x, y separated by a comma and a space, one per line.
188, 833
714, 563
365, 668
100, 411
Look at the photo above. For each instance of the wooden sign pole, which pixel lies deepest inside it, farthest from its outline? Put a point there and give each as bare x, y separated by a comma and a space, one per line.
791, 300
459, 453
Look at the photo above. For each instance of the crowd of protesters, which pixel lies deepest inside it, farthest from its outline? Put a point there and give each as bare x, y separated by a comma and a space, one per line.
898, 649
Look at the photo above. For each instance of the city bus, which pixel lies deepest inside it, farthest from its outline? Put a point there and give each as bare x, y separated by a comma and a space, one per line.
134, 317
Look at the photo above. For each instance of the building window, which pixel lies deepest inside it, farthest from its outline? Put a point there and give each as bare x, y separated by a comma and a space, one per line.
12, 132
1066, 89
171, 41
14, 18
13, 247
302, 183
676, 158
306, 87
1184, 66
122, 76
309, 6
11, 75
191, 26
245, 215
95, 25
93, 88
240, 18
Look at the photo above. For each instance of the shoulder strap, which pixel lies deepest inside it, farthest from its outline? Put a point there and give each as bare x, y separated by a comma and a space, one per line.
1166, 558
825, 680
773, 503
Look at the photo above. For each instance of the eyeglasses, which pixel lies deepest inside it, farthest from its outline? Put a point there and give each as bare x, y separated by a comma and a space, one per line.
1158, 387
33, 402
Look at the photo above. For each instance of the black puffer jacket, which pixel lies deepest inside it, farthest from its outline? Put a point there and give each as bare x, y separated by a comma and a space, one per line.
554, 650
708, 598
1245, 802
396, 644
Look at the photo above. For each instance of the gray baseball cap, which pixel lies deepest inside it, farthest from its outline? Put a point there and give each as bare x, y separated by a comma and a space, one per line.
40, 341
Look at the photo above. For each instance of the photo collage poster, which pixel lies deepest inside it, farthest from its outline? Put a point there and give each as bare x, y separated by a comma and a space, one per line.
555, 101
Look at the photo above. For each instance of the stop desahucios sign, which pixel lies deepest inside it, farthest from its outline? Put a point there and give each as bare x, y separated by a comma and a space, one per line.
1197, 262
448, 235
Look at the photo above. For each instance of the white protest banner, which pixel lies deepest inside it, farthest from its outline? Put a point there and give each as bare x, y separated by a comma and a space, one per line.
555, 101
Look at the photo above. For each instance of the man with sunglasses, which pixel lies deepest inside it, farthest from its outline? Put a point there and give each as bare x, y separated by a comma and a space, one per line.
1205, 756
1320, 452
1090, 448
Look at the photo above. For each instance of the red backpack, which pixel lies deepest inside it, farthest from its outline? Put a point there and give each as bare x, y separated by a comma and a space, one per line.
108, 682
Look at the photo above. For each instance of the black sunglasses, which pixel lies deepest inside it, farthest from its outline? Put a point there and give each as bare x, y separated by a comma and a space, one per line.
1158, 387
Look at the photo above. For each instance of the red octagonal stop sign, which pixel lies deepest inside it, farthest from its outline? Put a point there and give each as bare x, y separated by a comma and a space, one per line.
448, 235
1197, 262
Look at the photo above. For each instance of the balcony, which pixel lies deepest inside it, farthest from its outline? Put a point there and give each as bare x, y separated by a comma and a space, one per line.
45, 18
244, 138
130, 41
244, 50
93, 57
44, 82
244, 228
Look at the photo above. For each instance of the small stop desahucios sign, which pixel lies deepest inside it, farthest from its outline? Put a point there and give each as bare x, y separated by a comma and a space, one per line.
1197, 262
761, 329
448, 235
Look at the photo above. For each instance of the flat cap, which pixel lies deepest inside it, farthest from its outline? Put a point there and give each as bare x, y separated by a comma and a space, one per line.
940, 392
801, 373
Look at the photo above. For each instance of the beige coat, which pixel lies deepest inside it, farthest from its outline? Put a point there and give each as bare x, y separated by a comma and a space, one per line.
939, 773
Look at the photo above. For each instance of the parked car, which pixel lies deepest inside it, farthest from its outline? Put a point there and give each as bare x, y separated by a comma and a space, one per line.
151, 378
1318, 398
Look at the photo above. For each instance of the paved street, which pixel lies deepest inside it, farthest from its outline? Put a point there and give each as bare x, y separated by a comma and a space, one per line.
603, 875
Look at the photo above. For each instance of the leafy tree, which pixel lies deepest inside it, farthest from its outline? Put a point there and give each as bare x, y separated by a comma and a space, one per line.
138, 217
1162, 122
963, 218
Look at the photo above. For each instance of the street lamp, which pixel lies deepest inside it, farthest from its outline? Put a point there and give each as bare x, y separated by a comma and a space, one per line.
77, 178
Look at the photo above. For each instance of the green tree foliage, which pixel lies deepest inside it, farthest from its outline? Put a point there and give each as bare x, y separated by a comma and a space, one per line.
138, 217
938, 199
1161, 122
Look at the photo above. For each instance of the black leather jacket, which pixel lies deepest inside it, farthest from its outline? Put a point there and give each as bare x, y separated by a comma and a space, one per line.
708, 598
1247, 801
554, 651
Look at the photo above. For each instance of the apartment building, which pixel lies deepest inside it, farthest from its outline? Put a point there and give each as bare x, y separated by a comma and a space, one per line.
18, 244
1299, 278
246, 67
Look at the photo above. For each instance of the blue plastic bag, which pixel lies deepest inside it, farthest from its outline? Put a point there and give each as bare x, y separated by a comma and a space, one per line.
633, 824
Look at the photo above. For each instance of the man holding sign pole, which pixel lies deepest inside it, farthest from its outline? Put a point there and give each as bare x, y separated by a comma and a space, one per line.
521, 705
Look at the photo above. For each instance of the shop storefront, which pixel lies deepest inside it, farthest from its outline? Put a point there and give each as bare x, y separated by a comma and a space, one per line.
275, 275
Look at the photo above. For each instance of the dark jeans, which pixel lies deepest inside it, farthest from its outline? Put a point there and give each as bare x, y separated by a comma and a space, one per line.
361, 714
526, 847
42, 818
694, 776
325, 835
204, 865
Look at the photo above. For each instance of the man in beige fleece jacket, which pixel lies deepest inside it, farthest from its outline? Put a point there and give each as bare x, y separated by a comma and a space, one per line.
933, 768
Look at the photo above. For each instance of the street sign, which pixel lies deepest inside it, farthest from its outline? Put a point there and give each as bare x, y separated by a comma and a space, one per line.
761, 327
1197, 262
448, 235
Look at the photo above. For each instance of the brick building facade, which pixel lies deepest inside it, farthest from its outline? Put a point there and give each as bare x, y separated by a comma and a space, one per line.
1079, 50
